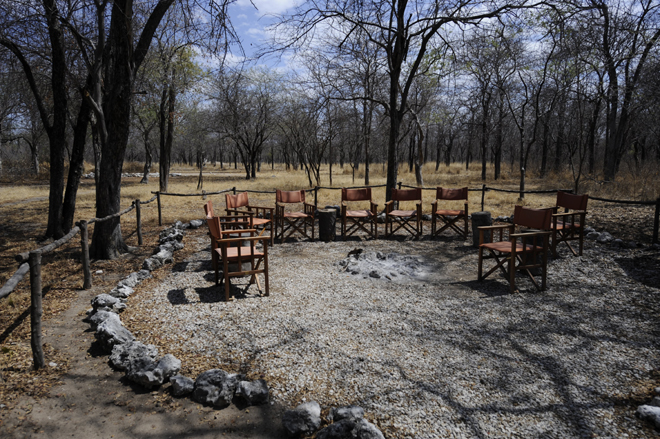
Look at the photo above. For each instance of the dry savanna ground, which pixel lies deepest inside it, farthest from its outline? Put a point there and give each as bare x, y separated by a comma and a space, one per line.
24, 208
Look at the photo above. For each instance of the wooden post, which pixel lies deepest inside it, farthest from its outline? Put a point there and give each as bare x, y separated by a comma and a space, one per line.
316, 196
84, 244
233, 190
656, 222
160, 213
138, 219
483, 196
36, 310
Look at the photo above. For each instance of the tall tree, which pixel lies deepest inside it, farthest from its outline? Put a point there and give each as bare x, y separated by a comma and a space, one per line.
404, 30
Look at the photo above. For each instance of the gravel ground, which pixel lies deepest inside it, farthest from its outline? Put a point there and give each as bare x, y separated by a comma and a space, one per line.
437, 355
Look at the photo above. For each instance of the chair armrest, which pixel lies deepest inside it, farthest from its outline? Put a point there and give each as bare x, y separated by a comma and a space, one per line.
575, 212
239, 212
374, 208
309, 209
434, 207
496, 226
388, 206
529, 234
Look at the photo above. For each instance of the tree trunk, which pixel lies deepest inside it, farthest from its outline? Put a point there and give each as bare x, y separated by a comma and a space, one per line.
57, 131
75, 165
107, 241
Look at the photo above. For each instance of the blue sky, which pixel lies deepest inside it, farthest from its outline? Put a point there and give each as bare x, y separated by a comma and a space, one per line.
251, 23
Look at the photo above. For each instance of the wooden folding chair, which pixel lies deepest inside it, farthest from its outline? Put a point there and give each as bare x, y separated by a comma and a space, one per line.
450, 218
520, 251
228, 237
569, 225
293, 222
404, 219
261, 218
354, 220
208, 209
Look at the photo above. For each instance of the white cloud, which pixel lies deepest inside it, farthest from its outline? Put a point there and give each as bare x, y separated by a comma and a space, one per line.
256, 31
268, 6
242, 17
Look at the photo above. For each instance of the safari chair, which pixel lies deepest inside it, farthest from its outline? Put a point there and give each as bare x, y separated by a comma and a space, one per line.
569, 225
354, 220
524, 251
288, 223
228, 238
208, 208
450, 218
260, 217
409, 220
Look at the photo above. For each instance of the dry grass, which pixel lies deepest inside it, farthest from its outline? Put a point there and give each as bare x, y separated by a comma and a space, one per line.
24, 209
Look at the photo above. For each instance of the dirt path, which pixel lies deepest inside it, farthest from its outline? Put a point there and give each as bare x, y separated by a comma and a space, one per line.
95, 401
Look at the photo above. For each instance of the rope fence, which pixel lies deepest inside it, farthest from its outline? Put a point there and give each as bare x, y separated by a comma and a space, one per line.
32, 261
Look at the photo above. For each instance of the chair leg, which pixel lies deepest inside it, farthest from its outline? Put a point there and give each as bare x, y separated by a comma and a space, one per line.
481, 261
225, 274
512, 272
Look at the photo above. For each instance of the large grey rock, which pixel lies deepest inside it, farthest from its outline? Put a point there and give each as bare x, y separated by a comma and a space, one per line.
215, 387
168, 366
196, 224
171, 234
348, 412
111, 332
130, 281
303, 420
104, 301
121, 292
339, 430
367, 430
98, 317
182, 386
649, 413
593, 235
164, 256
144, 274
350, 428
604, 237
152, 264
125, 354
252, 392
149, 374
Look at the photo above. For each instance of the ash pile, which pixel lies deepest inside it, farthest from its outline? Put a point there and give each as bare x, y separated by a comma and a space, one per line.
390, 266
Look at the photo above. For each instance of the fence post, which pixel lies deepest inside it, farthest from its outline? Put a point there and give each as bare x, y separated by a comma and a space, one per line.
84, 244
36, 310
656, 222
203, 194
483, 196
138, 219
233, 190
160, 213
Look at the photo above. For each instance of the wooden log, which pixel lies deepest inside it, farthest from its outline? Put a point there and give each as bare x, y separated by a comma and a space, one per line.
10, 285
84, 244
23, 257
160, 212
138, 219
36, 311
483, 196
656, 221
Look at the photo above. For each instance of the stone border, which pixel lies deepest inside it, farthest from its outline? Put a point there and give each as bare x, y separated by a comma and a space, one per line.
215, 387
